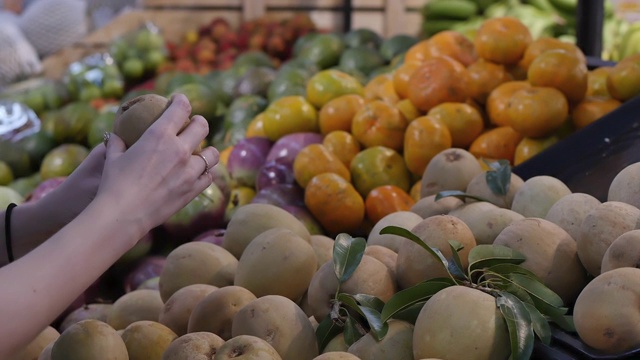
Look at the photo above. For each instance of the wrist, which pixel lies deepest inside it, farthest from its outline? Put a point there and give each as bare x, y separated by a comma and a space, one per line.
126, 229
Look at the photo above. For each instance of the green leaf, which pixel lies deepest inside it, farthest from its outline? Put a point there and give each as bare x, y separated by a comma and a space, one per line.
544, 299
369, 301
455, 267
494, 164
396, 230
347, 254
378, 327
540, 325
507, 269
459, 195
348, 300
326, 331
516, 290
499, 179
456, 246
411, 313
565, 322
352, 331
483, 256
518, 323
421, 292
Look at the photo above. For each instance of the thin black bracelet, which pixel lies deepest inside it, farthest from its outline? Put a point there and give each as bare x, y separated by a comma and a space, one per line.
7, 231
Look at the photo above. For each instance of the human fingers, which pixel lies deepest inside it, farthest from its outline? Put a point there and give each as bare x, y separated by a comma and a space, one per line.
115, 146
94, 162
203, 161
176, 114
195, 132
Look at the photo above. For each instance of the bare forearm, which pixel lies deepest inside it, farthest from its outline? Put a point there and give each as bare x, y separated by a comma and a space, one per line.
38, 287
31, 225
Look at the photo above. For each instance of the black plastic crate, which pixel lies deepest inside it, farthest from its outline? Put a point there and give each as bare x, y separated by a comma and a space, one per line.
588, 160
566, 346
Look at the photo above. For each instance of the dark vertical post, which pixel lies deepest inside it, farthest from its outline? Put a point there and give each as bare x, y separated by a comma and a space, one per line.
347, 12
590, 18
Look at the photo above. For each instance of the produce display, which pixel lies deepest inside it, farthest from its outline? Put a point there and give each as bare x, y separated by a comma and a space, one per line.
544, 18
364, 205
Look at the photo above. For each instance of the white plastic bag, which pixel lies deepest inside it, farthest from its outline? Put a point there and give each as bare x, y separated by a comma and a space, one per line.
18, 58
51, 25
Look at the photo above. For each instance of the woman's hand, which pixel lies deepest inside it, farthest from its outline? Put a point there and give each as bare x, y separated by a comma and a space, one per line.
159, 174
76, 192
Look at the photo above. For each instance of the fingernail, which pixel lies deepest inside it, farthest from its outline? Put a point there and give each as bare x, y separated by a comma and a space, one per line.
105, 138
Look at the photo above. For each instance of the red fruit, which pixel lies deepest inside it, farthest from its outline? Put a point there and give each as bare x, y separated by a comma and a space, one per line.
257, 41
228, 41
219, 27
206, 56
185, 65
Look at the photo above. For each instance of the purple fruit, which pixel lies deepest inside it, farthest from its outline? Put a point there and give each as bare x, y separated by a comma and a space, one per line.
45, 188
214, 236
149, 267
274, 172
246, 159
280, 195
94, 311
204, 212
288, 146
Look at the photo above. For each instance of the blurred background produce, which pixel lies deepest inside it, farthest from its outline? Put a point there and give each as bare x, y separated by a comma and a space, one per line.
337, 129
549, 18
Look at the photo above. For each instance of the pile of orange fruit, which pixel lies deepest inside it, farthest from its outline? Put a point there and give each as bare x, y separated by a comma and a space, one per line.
502, 95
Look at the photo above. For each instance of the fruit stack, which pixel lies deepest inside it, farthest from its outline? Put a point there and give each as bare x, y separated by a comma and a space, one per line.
217, 44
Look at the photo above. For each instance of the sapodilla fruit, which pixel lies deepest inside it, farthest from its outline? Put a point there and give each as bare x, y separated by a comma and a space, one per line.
336, 355
135, 306
451, 169
135, 116
550, 252
89, 339
177, 310
279, 321
570, 211
443, 327
247, 347
396, 345
623, 252
403, 219
147, 340
415, 264
37, 345
193, 346
606, 313
429, 206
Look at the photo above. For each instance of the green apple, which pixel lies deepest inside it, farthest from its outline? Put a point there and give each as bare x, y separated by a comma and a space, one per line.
133, 68
153, 59
113, 88
35, 101
6, 175
90, 92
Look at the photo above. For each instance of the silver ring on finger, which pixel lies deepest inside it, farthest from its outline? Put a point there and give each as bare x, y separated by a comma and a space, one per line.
206, 164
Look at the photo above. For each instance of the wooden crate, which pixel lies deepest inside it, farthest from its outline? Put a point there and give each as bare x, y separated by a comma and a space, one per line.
387, 17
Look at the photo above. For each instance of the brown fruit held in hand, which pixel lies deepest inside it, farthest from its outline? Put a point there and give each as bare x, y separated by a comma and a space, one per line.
136, 115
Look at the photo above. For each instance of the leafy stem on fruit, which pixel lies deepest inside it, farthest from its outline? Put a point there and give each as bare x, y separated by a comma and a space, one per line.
353, 315
499, 178
526, 304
